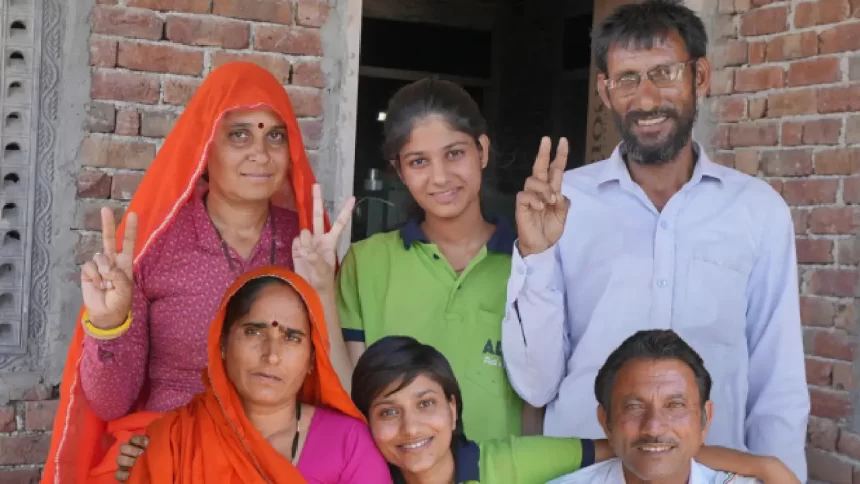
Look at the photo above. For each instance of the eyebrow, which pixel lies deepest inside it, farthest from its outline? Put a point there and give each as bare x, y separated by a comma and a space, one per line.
446, 147
248, 125
389, 401
288, 331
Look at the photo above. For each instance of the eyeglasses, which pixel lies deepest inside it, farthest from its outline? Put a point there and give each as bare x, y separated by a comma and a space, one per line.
663, 77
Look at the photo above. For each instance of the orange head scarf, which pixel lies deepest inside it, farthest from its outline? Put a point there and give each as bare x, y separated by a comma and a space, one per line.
211, 439
79, 441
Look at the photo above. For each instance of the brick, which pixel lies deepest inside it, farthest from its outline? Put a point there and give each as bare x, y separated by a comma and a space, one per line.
761, 3
759, 79
807, 14
276, 64
731, 53
851, 192
24, 449
722, 82
802, 101
854, 68
823, 70
230, 34
841, 38
180, 91
810, 192
308, 74
275, 11
720, 137
124, 185
106, 153
837, 345
816, 311
724, 158
126, 22
756, 52
311, 133
765, 21
747, 161
829, 404
88, 214
101, 118
102, 52
838, 161
93, 184
839, 99
776, 185
852, 129
87, 246
128, 122
833, 282
754, 134
831, 220
814, 251
20, 476
823, 433
819, 372
827, 467
312, 13
190, 6
757, 108
848, 444
287, 40
787, 162
845, 319
800, 217
728, 109
725, 27
822, 131
307, 102
854, 8
848, 252
156, 124
792, 46
792, 133
7, 418
160, 58
843, 376
40, 415
125, 86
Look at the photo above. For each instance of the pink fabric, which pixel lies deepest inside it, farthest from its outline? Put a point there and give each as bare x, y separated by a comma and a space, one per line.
178, 287
340, 450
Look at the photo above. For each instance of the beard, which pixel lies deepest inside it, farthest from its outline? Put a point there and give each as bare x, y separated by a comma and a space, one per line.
657, 151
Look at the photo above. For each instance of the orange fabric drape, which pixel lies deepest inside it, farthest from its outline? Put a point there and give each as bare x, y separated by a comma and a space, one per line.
211, 440
79, 441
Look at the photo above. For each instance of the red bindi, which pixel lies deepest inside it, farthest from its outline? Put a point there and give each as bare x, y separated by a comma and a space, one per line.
261, 125
274, 324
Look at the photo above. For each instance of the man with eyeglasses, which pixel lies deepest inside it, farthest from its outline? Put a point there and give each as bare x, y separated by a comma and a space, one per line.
657, 237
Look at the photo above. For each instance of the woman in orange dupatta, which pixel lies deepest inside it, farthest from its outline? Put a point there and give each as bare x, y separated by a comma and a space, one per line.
273, 409
229, 190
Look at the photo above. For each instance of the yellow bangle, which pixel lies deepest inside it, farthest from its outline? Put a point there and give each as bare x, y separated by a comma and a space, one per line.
106, 334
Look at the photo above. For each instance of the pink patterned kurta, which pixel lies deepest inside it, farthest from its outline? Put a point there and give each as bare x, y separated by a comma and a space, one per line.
179, 284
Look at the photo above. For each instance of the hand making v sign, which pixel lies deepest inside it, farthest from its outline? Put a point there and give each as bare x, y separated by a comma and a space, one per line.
541, 208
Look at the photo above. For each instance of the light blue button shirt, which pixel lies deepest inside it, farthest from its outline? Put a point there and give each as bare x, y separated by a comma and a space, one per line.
612, 472
717, 265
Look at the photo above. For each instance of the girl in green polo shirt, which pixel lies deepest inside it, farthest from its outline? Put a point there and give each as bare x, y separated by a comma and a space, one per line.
410, 398
442, 278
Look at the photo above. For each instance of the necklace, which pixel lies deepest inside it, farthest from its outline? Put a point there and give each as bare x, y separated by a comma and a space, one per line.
269, 221
296, 438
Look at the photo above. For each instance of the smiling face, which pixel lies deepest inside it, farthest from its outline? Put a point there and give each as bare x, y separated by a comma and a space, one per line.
442, 167
413, 426
267, 363
655, 424
249, 156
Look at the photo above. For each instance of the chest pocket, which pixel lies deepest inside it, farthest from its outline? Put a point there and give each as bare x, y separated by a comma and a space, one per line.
715, 299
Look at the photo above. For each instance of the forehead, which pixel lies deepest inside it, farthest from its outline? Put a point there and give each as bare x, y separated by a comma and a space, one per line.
432, 132
421, 383
648, 379
280, 303
634, 56
252, 116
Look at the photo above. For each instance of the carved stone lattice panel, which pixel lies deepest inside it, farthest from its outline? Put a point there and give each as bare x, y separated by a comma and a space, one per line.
30, 43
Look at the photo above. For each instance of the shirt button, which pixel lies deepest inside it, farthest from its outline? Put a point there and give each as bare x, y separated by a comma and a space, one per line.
436, 256
664, 224
662, 283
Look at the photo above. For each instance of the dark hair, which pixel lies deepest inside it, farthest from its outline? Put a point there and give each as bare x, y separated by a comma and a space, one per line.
401, 359
641, 24
656, 344
241, 302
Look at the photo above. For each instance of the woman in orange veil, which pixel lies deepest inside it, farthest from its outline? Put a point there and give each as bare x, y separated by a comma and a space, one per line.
268, 361
229, 190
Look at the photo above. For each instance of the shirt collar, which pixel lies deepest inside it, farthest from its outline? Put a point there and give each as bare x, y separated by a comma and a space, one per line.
502, 240
616, 168
467, 462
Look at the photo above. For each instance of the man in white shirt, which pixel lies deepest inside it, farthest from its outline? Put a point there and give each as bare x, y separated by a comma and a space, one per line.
657, 237
655, 409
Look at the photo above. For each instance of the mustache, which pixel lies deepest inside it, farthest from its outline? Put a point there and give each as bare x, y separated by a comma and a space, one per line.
634, 116
646, 440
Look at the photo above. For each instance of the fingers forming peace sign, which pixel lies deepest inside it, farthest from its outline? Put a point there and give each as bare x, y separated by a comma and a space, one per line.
106, 280
541, 208
315, 252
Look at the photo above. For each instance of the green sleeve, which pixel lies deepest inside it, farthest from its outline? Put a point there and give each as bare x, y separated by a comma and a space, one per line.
348, 300
533, 459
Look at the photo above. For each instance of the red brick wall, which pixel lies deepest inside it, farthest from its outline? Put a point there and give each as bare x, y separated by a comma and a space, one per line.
147, 58
787, 89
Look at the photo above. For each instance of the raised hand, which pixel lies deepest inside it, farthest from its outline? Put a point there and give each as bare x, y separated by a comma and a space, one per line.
106, 281
541, 208
315, 253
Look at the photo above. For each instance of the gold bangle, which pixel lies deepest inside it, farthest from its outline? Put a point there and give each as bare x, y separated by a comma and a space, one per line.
106, 334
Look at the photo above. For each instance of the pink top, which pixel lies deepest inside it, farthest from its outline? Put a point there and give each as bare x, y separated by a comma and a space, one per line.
340, 450
179, 285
